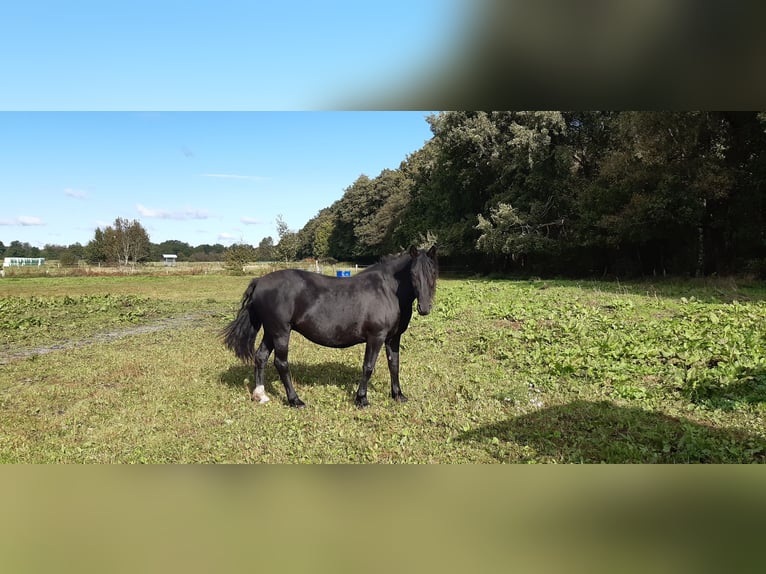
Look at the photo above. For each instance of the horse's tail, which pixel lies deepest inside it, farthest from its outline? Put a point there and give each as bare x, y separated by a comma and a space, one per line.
239, 335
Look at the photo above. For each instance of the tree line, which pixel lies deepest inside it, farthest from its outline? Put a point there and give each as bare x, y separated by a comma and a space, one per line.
571, 193
124, 242
574, 193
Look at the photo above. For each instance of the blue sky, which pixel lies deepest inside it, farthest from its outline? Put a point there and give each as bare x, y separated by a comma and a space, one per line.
219, 54
204, 119
199, 177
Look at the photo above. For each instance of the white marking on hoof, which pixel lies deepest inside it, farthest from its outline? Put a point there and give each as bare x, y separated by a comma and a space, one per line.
259, 394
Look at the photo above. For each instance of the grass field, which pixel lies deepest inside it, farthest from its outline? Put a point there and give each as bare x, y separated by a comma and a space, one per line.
131, 369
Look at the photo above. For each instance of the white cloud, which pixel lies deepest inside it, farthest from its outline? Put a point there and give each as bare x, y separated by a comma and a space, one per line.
29, 220
146, 212
76, 193
252, 221
226, 237
235, 176
22, 220
187, 213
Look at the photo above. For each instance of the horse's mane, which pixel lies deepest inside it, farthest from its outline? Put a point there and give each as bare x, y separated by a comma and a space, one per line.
391, 260
390, 257
384, 261
387, 259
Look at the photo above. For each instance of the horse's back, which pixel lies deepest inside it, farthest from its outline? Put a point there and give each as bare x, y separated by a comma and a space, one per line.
291, 283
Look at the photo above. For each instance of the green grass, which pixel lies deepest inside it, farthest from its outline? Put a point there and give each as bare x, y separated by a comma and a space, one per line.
501, 371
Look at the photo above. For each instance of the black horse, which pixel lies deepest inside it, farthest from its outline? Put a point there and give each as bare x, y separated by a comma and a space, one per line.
373, 307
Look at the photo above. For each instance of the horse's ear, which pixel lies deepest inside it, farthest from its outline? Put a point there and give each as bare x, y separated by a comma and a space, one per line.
413, 251
432, 252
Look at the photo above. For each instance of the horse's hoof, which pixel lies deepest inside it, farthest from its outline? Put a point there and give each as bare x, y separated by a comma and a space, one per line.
362, 402
400, 398
297, 403
259, 394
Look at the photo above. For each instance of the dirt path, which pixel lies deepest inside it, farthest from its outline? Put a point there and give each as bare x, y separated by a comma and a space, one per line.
160, 325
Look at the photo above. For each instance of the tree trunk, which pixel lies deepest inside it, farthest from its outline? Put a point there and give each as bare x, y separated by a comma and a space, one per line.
701, 241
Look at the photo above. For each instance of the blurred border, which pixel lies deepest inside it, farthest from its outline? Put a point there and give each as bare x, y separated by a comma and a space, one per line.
342, 518
592, 54
655, 54
471, 54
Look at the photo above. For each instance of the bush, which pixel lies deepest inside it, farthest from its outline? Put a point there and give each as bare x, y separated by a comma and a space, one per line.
237, 256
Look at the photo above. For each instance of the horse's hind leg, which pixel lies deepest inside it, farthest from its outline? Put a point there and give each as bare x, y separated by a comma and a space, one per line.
261, 358
283, 368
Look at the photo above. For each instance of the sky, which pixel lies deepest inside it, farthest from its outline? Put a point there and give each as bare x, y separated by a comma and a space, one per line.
195, 55
198, 177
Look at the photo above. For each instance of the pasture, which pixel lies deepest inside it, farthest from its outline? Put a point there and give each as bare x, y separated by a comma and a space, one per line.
132, 369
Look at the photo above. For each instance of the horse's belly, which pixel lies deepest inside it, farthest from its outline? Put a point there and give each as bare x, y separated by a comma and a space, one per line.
337, 333
336, 323
337, 343
331, 335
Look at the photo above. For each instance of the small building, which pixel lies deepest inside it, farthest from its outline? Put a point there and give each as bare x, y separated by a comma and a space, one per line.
169, 259
23, 261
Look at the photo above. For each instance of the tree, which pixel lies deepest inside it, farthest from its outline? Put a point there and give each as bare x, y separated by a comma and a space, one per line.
51, 251
130, 241
265, 249
507, 233
353, 207
19, 249
390, 197
121, 243
478, 160
321, 244
237, 256
667, 188
314, 237
96, 250
206, 252
363, 222
287, 248
67, 258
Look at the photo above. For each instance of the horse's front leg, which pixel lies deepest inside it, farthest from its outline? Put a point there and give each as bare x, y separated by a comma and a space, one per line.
371, 351
392, 354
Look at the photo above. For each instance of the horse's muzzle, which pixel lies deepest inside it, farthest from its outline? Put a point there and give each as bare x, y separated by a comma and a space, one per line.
424, 309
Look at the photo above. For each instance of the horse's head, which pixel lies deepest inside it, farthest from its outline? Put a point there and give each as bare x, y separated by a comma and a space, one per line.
423, 271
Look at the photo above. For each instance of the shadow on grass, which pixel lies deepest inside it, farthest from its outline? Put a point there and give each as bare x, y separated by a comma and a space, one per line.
749, 389
329, 374
590, 432
706, 290
709, 290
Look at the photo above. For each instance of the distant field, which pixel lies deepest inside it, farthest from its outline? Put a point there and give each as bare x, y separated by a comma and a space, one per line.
131, 369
